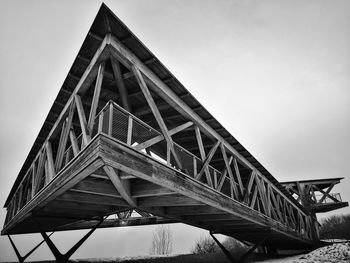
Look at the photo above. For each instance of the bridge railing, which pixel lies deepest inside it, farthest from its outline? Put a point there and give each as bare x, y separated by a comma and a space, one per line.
256, 192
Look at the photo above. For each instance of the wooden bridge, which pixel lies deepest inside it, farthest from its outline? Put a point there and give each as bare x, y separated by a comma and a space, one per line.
125, 140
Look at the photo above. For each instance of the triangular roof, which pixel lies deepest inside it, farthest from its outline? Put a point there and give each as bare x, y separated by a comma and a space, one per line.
91, 43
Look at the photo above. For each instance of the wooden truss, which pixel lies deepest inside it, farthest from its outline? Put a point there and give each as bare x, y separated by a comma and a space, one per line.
106, 154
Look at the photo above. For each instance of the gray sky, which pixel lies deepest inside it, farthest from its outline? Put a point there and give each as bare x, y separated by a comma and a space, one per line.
276, 74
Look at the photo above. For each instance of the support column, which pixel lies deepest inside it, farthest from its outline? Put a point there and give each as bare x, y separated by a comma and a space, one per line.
63, 258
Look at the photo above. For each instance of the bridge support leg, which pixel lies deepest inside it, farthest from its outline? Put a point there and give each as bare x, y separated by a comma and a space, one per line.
63, 258
226, 252
245, 256
251, 250
21, 258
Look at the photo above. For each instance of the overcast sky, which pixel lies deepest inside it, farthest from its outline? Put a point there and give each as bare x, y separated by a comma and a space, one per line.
275, 74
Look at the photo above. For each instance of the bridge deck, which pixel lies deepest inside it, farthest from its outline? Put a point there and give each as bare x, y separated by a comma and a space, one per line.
110, 176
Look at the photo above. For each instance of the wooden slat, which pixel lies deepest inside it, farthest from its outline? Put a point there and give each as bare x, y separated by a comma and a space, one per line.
96, 97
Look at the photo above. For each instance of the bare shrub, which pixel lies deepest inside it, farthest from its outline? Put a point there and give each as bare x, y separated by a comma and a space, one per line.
335, 227
205, 245
162, 241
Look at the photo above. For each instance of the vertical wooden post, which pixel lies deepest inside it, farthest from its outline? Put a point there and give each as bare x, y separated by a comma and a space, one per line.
100, 123
49, 161
129, 136
110, 119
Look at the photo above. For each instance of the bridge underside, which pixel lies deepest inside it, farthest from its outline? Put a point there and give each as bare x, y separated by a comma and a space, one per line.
109, 176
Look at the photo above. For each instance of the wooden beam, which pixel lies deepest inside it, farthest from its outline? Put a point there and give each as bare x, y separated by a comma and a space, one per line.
122, 186
160, 137
82, 119
223, 175
326, 194
203, 155
156, 113
96, 97
130, 127
64, 137
238, 175
120, 84
49, 161
228, 169
206, 163
74, 142
249, 187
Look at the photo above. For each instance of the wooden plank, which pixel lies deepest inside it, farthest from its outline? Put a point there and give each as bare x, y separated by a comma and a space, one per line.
160, 137
49, 161
64, 137
122, 186
156, 113
96, 96
82, 119
120, 84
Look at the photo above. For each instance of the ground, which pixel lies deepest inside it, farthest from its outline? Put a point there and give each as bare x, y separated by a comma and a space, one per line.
335, 253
